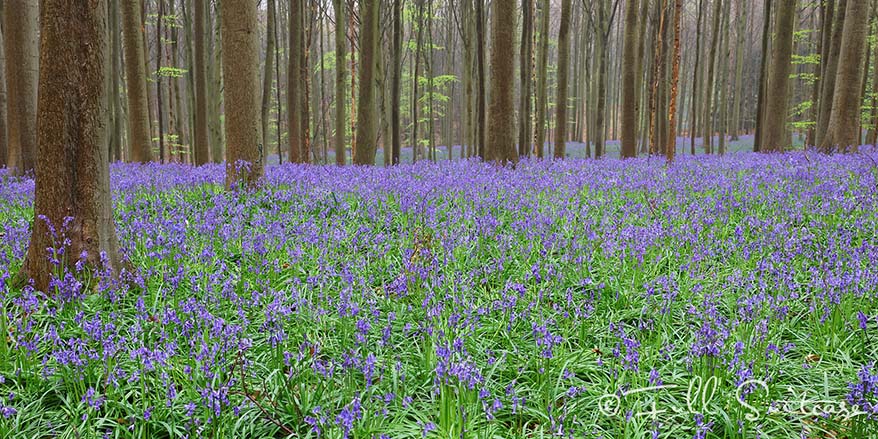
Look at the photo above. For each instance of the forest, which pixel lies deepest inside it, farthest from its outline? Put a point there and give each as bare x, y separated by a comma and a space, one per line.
379, 219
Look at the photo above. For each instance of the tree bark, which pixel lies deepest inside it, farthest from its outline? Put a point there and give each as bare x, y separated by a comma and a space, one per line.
525, 62
20, 40
563, 73
267, 72
843, 133
340, 57
202, 144
3, 96
72, 194
763, 78
776, 101
501, 124
709, 85
396, 80
245, 164
215, 88
629, 81
741, 21
367, 114
675, 78
830, 70
481, 113
139, 142
542, 80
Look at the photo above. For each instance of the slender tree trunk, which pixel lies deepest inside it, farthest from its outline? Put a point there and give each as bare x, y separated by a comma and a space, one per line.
655, 141
246, 156
501, 124
481, 113
267, 73
525, 63
563, 72
629, 81
396, 81
3, 96
696, 81
115, 136
340, 56
763, 78
367, 115
295, 101
158, 75
741, 22
20, 40
843, 133
72, 170
776, 101
830, 74
542, 80
202, 145
709, 85
725, 55
602, 32
675, 78
215, 89
416, 67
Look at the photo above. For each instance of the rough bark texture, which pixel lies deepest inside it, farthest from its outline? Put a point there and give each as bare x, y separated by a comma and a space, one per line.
340, 56
827, 85
241, 92
135, 80
629, 81
20, 40
72, 171
501, 123
776, 100
563, 73
367, 114
114, 82
763, 78
843, 134
202, 143
295, 94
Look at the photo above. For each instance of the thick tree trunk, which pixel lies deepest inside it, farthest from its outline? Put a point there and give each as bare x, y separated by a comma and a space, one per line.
246, 156
629, 81
843, 133
139, 142
776, 101
202, 144
20, 40
709, 85
563, 73
602, 32
72, 171
340, 57
367, 114
501, 124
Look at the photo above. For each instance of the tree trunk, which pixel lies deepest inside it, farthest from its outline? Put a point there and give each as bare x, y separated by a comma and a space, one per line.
20, 40
602, 32
246, 156
202, 145
675, 78
629, 81
501, 124
367, 114
709, 85
267, 72
295, 100
763, 78
158, 78
3, 98
696, 81
396, 81
72, 170
215, 88
340, 57
830, 70
843, 133
741, 21
481, 113
776, 101
524, 106
542, 80
563, 72
139, 142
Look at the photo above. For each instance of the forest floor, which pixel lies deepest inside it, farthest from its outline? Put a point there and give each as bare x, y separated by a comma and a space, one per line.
719, 297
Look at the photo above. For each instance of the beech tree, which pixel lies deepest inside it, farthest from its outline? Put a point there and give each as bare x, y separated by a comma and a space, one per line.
139, 142
20, 41
245, 152
629, 81
72, 195
563, 71
776, 100
367, 114
501, 121
201, 142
